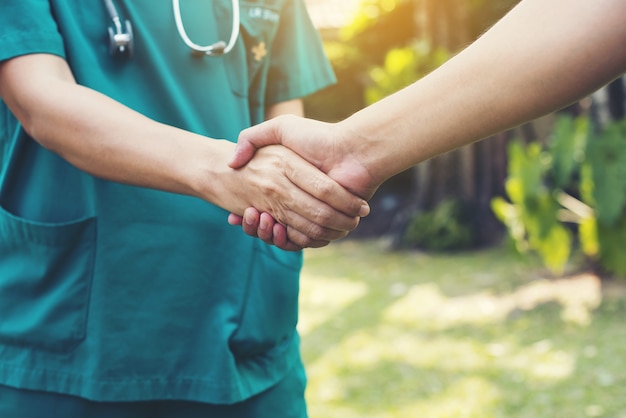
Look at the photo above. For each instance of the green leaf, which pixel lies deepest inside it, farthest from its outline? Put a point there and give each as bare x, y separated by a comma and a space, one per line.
607, 156
525, 171
567, 147
555, 248
612, 246
588, 236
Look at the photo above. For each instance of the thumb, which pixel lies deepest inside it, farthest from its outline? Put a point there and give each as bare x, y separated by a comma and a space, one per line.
252, 139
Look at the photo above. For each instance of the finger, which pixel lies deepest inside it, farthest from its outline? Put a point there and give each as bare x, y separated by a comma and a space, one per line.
311, 217
305, 233
314, 209
266, 228
280, 236
281, 240
252, 139
263, 226
304, 241
251, 222
234, 219
274, 233
289, 204
251, 225
295, 207
326, 190
315, 226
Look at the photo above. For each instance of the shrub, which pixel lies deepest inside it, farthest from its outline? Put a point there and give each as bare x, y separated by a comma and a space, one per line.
579, 180
445, 228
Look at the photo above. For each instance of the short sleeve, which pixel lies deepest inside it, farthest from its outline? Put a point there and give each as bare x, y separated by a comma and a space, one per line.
28, 27
298, 64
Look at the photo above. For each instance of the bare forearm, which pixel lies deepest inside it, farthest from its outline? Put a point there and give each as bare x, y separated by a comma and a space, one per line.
540, 57
111, 141
98, 134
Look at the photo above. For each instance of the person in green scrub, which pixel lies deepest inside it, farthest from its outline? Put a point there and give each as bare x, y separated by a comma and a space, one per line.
123, 290
540, 57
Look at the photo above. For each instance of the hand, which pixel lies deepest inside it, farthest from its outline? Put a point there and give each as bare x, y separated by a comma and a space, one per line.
319, 143
291, 190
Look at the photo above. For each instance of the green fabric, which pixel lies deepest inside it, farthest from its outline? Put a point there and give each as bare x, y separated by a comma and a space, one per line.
117, 293
24, 32
284, 400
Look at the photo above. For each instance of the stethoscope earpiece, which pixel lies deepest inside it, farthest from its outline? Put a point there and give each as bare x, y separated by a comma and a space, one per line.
121, 42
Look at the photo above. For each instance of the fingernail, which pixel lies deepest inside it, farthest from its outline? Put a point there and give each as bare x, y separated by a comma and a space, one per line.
365, 210
249, 221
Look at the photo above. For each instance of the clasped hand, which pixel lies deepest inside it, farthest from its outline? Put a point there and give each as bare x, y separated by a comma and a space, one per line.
321, 145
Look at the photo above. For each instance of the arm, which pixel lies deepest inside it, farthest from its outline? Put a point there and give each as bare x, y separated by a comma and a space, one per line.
538, 58
109, 140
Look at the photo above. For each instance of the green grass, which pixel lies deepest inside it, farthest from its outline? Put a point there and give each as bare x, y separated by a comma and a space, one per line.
481, 334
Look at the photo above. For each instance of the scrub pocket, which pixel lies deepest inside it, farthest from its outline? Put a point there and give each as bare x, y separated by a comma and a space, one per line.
46, 271
259, 23
270, 308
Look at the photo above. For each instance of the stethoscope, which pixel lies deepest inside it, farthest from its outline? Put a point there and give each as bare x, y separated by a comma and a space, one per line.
121, 41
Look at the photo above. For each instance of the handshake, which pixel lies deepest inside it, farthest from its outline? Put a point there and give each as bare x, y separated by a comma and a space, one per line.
486, 88
328, 195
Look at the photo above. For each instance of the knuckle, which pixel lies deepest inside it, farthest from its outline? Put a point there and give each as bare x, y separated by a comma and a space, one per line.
325, 188
324, 216
354, 207
319, 233
271, 191
304, 242
316, 232
297, 238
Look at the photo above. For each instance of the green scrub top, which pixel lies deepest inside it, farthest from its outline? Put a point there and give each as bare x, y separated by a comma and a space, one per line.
118, 293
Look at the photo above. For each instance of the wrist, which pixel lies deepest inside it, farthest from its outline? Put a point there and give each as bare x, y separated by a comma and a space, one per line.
356, 169
206, 163
361, 144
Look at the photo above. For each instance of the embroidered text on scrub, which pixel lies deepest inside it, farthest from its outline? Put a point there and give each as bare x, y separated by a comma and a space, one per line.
264, 14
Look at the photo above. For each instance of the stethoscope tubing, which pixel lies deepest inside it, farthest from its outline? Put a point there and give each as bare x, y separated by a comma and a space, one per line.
218, 48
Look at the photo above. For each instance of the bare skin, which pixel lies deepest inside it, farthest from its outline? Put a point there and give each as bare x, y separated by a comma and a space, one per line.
540, 57
111, 141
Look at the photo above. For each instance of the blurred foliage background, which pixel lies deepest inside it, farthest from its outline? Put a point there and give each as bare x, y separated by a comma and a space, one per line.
487, 282
555, 187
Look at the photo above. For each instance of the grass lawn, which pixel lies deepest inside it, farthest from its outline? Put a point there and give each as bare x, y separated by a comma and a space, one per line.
481, 334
